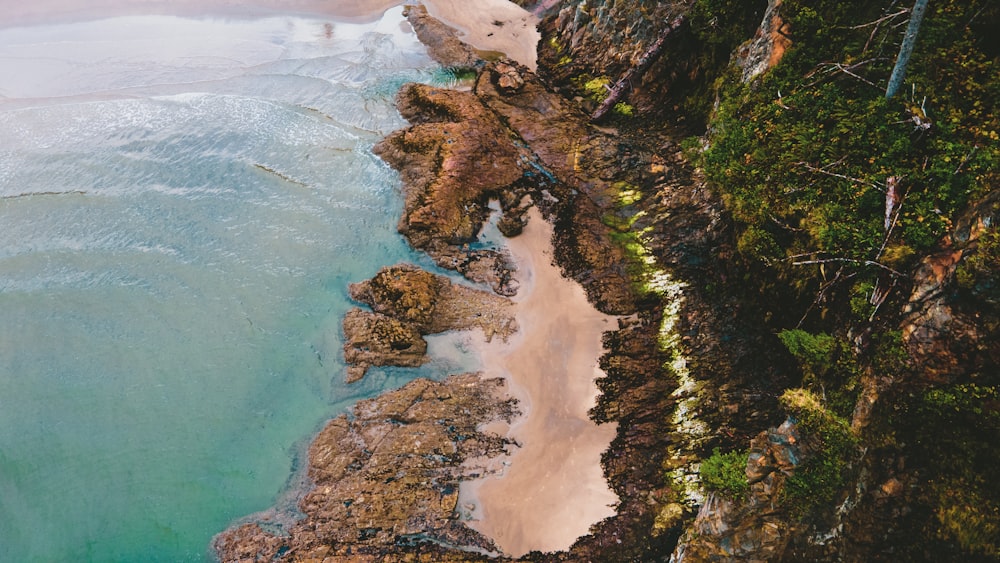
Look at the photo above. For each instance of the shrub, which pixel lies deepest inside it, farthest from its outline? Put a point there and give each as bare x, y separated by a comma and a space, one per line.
725, 473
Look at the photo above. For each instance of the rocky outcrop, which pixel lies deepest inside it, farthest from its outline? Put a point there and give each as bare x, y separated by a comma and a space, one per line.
407, 304
389, 476
767, 47
943, 332
441, 40
946, 335
445, 185
373, 339
755, 528
535, 143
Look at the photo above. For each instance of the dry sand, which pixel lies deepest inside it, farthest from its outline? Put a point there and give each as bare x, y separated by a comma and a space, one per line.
553, 488
490, 25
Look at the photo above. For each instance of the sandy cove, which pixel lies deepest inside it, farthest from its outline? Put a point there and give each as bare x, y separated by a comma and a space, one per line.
553, 488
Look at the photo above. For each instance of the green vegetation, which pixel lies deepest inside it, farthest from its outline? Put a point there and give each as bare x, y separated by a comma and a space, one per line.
833, 446
622, 108
597, 88
719, 26
980, 273
956, 430
831, 368
803, 157
814, 351
725, 473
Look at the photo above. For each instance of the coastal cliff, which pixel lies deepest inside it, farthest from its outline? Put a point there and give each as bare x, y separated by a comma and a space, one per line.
805, 364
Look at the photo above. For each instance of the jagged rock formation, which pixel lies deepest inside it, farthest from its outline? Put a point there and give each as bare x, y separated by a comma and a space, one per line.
409, 303
389, 476
768, 45
441, 40
755, 528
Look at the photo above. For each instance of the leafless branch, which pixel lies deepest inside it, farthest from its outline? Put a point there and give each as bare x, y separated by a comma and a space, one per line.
823, 170
849, 261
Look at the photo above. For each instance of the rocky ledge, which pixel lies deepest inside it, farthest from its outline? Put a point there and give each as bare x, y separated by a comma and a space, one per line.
388, 476
408, 303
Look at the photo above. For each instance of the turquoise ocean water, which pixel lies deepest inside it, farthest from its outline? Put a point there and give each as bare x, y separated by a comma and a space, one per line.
184, 202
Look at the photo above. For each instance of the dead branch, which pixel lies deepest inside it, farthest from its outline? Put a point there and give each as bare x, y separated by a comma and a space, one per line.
849, 261
624, 83
812, 168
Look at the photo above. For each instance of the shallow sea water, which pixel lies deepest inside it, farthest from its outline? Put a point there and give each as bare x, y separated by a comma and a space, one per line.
184, 202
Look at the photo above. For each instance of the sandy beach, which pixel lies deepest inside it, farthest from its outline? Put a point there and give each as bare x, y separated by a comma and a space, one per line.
488, 25
553, 488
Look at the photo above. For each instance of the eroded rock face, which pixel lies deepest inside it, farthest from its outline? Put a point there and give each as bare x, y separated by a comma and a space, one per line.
755, 528
389, 474
374, 339
453, 158
441, 40
767, 47
409, 303
581, 164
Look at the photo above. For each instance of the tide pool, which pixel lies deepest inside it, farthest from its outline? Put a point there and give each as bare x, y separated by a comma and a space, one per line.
182, 205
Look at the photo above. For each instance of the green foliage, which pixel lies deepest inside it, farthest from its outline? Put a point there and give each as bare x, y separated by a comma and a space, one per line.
756, 243
980, 273
718, 27
957, 432
977, 404
968, 516
801, 157
725, 473
597, 88
820, 478
814, 351
622, 108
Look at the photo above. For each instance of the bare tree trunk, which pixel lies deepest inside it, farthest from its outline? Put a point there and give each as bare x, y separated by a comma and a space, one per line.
906, 49
624, 84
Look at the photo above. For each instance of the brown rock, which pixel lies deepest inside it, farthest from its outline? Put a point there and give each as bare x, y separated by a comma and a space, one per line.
454, 157
389, 473
508, 77
373, 339
441, 40
433, 303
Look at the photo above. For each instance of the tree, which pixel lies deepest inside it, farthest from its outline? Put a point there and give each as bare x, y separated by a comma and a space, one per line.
906, 49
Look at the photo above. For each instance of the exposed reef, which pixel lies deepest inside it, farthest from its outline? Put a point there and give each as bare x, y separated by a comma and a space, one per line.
408, 303
385, 480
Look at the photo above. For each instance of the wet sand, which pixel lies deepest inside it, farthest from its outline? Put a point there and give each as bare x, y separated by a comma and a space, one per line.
553, 488
492, 25
489, 25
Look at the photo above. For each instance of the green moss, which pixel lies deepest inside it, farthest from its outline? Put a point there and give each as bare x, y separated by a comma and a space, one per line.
622, 108
813, 351
980, 273
801, 157
725, 473
956, 426
819, 480
597, 88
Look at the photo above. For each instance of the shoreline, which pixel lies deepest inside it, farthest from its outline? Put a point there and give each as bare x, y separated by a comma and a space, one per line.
551, 489
494, 26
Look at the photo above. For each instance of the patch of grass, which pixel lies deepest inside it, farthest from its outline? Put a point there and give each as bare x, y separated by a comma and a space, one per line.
726, 473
